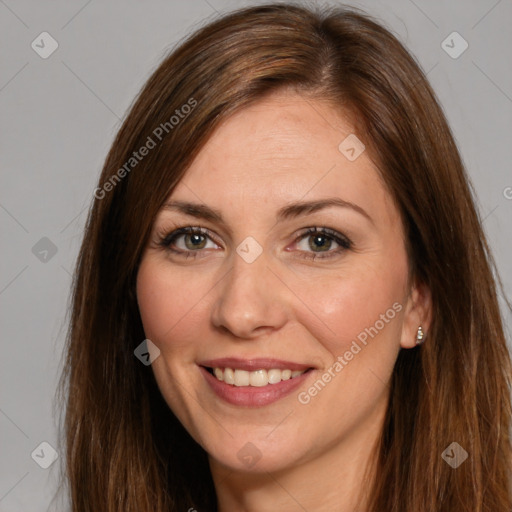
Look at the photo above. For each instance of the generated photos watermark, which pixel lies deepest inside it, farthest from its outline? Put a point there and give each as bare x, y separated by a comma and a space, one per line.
304, 397
157, 135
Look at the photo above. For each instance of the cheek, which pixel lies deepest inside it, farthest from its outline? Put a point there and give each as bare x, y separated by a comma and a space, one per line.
169, 304
361, 317
362, 303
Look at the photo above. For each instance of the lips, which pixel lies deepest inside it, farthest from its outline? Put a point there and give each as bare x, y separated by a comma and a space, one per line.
255, 364
253, 382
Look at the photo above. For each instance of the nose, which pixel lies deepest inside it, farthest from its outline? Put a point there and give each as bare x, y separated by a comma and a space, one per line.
250, 300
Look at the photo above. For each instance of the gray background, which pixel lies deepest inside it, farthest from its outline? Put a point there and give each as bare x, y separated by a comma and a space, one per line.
59, 116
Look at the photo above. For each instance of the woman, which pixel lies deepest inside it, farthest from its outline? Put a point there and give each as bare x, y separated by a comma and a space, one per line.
284, 297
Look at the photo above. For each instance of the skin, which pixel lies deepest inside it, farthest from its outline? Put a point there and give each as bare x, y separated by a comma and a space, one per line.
281, 150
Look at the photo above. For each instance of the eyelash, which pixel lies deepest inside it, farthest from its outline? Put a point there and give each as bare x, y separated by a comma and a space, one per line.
166, 239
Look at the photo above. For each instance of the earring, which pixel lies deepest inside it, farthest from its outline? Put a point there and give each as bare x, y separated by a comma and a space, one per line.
420, 335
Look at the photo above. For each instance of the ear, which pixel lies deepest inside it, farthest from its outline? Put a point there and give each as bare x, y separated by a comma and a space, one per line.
418, 311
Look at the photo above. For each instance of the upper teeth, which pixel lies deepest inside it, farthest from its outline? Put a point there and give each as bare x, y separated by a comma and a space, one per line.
257, 378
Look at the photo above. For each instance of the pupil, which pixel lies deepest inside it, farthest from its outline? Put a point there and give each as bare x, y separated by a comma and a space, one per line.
194, 241
319, 242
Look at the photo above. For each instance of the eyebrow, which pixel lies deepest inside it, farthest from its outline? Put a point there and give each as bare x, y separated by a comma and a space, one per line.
290, 211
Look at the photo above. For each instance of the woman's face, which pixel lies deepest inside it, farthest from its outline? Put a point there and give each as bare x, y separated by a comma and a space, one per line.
295, 263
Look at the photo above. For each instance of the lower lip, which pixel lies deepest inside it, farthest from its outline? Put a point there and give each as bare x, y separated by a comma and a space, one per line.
252, 396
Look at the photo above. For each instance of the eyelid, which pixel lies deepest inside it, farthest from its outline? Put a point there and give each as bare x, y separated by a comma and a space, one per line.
323, 230
165, 237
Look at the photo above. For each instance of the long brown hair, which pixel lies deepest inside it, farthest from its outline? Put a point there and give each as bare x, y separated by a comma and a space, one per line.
125, 449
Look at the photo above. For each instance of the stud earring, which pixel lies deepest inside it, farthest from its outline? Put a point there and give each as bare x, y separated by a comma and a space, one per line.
420, 336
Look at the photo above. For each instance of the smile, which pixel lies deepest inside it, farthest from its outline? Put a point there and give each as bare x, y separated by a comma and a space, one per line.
253, 382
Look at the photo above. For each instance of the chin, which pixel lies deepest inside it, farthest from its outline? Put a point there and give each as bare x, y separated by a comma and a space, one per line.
258, 455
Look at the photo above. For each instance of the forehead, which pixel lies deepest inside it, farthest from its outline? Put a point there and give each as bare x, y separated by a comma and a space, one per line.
282, 132
282, 149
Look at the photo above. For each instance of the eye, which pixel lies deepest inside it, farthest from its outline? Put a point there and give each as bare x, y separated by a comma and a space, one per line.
315, 241
187, 241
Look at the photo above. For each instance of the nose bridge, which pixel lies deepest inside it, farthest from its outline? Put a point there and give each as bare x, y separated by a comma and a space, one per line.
247, 299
